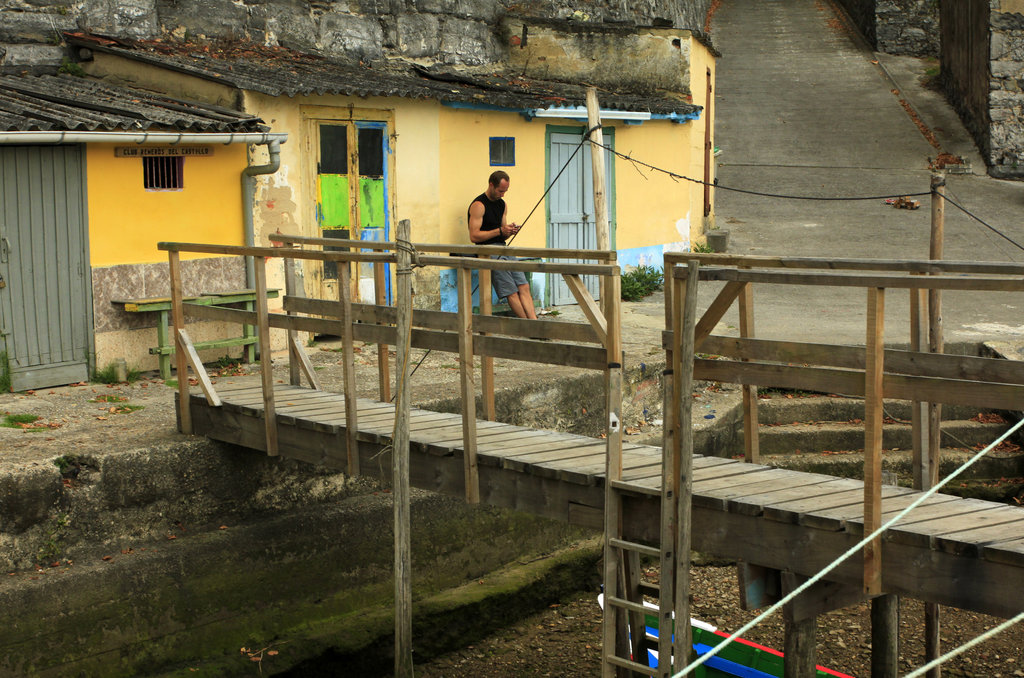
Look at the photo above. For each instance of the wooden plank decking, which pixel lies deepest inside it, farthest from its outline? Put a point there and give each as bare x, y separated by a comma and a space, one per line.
961, 552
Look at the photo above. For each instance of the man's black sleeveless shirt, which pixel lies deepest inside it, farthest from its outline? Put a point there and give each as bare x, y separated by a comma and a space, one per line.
494, 210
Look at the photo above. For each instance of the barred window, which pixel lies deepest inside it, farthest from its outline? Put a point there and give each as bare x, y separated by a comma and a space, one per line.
163, 174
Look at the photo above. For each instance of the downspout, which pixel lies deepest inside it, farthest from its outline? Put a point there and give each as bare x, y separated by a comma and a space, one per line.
249, 175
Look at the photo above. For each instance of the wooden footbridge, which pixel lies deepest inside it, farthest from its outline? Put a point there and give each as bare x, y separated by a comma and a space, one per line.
782, 526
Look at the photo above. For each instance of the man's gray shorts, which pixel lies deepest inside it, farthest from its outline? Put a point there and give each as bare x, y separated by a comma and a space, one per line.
507, 282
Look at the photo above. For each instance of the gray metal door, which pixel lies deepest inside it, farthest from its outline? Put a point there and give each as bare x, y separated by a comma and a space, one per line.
571, 206
46, 298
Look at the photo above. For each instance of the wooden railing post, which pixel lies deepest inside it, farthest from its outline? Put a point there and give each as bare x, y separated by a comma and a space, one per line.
613, 462
486, 362
932, 624
266, 364
751, 445
684, 297
400, 457
465, 300
380, 293
293, 351
875, 347
348, 365
181, 357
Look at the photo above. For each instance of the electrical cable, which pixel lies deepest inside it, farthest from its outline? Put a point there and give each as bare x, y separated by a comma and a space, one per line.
715, 184
983, 223
850, 552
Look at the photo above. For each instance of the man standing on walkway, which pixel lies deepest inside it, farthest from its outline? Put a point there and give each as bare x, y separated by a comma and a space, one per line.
488, 225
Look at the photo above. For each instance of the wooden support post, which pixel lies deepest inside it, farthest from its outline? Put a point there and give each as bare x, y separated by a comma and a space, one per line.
799, 645
613, 467
685, 298
266, 363
799, 633
875, 347
181, 359
465, 294
751, 446
380, 293
919, 409
670, 476
293, 351
932, 626
400, 461
486, 362
598, 171
348, 362
935, 338
885, 625
597, 165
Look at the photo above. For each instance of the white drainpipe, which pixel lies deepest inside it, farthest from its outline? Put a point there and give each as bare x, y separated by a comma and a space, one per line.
249, 198
271, 141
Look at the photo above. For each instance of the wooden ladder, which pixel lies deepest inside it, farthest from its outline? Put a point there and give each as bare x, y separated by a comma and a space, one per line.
625, 639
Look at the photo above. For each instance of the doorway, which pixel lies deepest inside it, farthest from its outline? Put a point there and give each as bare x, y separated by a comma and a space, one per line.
570, 203
45, 278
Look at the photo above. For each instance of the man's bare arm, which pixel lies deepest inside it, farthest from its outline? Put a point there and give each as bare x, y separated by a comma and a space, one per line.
476, 220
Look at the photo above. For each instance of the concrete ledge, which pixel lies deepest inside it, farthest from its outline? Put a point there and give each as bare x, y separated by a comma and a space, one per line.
296, 578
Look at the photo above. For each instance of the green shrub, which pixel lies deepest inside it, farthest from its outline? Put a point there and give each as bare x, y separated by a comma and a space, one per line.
640, 282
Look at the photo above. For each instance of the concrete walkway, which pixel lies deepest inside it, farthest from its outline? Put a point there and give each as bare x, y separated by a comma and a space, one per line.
806, 109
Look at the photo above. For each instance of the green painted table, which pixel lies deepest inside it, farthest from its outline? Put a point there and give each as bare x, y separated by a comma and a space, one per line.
162, 305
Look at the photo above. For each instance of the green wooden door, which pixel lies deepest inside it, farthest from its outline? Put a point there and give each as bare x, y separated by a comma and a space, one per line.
352, 185
46, 294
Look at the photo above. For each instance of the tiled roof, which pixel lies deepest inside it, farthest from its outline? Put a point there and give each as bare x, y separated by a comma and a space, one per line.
280, 71
68, 103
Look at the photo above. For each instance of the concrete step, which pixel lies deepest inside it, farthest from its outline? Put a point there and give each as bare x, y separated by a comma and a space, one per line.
785, 409
998, 477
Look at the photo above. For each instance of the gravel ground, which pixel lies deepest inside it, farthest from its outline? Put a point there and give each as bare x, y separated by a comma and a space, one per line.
565, 640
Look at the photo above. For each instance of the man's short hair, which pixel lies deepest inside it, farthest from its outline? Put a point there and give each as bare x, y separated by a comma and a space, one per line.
497, 176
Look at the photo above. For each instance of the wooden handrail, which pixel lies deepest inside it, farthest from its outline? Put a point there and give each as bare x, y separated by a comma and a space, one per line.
904, 265
490, 250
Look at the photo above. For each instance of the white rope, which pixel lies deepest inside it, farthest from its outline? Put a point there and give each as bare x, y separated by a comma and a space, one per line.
853, 550
966, 646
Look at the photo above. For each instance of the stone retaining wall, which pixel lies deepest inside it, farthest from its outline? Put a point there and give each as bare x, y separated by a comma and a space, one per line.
445, 31
1006, 93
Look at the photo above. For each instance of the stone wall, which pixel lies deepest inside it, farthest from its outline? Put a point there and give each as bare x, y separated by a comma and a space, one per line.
907, 27
445, 31
1006, 91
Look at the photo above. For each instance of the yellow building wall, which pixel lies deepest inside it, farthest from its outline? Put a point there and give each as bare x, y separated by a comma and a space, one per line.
647, 210
465, 167
652, 208
126, 221
702, 61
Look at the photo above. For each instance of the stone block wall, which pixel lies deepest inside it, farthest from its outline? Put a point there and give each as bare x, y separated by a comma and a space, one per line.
443, 31
1006, 91
907, 27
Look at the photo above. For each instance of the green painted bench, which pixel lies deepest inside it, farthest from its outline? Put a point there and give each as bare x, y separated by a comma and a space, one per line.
162, 305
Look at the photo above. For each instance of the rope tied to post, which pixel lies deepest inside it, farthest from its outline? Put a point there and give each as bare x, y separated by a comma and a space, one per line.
414, 257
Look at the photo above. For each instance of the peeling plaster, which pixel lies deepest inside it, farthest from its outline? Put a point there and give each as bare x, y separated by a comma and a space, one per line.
683, 228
